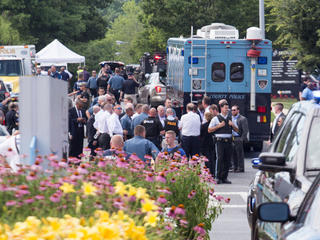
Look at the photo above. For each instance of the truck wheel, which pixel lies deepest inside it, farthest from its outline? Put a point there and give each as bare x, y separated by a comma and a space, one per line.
257, 146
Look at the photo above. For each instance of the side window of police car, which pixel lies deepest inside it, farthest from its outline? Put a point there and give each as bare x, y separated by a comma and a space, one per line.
218, 72
313, 150
289, 140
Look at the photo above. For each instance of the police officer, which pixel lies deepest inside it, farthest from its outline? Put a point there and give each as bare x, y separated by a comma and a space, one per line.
171, 123
115, 84
222, 126
153, 127
129, 88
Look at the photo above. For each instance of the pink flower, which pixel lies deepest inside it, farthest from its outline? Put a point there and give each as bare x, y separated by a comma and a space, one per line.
183, 223
199, 229
11, 203
28, 200
32, 176
166, 190
173, 180
39, 197
192, 194
180, 210
55, 198
161, 178
161, 199
227, 200
168, 227
122, 179
149, 177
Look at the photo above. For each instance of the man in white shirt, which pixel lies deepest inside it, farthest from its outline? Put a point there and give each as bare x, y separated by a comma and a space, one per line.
101, 124
113, 122
190, 131
161, 114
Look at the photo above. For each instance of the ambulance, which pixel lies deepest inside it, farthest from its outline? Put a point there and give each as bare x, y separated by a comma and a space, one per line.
16, 61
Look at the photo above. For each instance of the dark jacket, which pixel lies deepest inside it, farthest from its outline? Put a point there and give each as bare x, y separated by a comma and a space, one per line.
205, 137
76, 130
243, 127
91, 131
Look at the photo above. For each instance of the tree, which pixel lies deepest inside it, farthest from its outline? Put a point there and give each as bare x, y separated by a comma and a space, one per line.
298, 27
39, 22
8, 35
173, 18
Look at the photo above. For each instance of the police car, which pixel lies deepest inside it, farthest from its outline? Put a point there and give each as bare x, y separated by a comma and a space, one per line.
288, 169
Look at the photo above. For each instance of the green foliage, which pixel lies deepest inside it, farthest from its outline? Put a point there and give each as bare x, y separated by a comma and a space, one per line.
298, 27
8, 35
39, 22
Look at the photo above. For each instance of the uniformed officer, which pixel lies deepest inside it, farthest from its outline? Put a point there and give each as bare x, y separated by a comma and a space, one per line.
153, 127
222, 126
171, 123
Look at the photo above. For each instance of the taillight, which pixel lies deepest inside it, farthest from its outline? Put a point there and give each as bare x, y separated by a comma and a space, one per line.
261, 109
158, 89
261, 119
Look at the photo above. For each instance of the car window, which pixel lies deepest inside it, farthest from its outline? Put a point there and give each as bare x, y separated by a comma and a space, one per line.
313, 212
218, 72
289, 139
313, 149
293, 140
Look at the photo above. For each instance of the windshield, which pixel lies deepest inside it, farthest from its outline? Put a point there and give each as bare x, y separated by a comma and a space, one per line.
10, 68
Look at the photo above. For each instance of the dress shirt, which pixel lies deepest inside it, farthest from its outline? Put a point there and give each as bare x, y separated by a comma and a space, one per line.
114, 125
207, 109
92, 83
116, 82
141, 147
100, 122
190, 124
79, 116
162, 120
234, 121
126, 123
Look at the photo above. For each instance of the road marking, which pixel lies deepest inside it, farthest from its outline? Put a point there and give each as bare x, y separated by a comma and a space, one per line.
243, 195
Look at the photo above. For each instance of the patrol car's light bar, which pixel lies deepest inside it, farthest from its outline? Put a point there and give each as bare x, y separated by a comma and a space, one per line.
158, 89
261, 109
157, 57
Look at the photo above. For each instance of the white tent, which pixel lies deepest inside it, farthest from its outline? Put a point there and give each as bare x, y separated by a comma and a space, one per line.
56, 53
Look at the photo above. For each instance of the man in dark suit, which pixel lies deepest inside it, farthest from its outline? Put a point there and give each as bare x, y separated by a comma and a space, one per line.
239, 138
77, 119
278, 108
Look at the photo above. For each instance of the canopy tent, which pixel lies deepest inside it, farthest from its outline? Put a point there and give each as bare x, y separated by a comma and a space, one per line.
56, 53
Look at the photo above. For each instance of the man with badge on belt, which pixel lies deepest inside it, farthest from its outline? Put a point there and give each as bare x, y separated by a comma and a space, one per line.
239, 137
222, 127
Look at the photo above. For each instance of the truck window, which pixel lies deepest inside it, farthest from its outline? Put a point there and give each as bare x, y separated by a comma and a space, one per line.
218, 72
313, 150
236, 72
10, 68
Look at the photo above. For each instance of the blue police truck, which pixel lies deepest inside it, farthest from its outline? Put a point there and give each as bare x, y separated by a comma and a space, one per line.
216, 63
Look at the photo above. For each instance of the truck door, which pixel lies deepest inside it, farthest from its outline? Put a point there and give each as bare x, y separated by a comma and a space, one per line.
238, 71
217, 65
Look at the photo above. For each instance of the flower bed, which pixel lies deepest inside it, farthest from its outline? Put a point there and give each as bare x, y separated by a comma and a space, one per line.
108, 198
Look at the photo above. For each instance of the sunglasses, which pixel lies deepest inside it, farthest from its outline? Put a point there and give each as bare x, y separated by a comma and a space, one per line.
234, 110
119, 108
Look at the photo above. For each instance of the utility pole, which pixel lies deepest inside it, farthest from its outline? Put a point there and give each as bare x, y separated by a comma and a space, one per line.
261, 18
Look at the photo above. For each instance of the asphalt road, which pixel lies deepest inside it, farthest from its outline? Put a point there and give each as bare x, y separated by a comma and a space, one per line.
232, 223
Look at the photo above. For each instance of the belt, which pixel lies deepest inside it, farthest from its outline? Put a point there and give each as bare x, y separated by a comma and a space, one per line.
226, 140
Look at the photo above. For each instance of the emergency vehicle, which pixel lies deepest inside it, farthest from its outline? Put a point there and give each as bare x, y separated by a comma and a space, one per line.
216, 63
16, 61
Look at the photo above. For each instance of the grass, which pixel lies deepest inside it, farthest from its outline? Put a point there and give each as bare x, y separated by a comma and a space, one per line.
287, 103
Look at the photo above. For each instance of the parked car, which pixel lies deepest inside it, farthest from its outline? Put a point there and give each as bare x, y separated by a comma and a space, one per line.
4, 91
153, 91
288, 168
305, 225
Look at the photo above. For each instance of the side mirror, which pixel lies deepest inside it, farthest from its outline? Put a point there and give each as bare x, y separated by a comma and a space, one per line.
271, 162
274, 212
